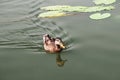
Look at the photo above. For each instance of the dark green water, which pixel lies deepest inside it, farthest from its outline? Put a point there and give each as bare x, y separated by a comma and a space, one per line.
93, 47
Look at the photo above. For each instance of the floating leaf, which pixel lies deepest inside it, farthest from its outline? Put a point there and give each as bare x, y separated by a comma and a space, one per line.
51, 14
60, 10
99, 8
98, 16
75, 9
97, 2
65, 8
56, 8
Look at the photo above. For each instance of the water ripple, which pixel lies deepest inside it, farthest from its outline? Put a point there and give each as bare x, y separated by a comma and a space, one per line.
25, 29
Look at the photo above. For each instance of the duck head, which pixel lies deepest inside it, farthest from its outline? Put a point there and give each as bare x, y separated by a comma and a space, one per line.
59, 42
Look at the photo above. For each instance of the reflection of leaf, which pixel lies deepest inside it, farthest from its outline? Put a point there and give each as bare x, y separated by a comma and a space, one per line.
104, 1
51, 14
77, 8
100, 16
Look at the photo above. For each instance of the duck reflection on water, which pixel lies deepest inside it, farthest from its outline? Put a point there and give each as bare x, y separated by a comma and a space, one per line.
59, 61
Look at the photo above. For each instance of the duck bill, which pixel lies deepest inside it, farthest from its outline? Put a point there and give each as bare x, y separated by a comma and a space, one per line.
62, 45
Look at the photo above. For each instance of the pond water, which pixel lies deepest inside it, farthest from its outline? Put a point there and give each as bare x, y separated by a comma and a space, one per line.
93, 47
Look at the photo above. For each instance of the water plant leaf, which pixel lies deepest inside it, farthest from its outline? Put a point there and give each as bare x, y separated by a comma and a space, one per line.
99, 8
98, 16
75, 9
66, 8
56, 7
51, 14
97, 2
62, 10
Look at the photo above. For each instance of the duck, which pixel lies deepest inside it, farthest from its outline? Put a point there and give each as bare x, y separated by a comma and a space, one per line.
52, 45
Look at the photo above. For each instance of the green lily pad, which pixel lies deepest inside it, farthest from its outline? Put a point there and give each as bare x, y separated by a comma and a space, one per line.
98, 16
62, 10
99, 8
51, 14
56, 7
65, 8
75, 9
97, 2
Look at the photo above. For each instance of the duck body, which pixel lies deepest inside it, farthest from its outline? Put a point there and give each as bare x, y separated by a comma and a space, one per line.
52, 45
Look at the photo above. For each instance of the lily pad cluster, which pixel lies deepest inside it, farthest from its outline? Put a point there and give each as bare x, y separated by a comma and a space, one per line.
98, 16
64, 10
67, 8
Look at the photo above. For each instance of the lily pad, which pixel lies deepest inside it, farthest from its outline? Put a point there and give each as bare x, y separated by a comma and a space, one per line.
97, 2
56, 7
62, 10
98, 16
99, 8
66, 8
51, 14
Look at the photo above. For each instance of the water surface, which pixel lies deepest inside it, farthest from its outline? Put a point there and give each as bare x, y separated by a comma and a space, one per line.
93, 47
